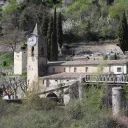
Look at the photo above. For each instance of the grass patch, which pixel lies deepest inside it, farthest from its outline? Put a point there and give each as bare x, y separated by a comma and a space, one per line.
6, 60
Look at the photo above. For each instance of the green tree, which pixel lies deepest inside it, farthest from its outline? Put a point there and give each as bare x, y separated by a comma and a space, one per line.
29, 16
109, 2
11, 34
44, 26
116, 10
37, 2
115, 57
123, 32
49, 33
10, 16
54, 46
79, 6
54, 25
59, 31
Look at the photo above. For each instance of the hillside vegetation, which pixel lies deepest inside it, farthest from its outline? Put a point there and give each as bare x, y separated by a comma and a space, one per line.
83, 20
93, 20
43, 113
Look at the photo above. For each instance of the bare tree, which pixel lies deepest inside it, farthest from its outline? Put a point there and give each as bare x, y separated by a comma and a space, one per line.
12, 84
23, 85
12, 38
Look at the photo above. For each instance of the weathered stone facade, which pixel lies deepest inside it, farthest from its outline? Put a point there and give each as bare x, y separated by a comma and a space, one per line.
36, 59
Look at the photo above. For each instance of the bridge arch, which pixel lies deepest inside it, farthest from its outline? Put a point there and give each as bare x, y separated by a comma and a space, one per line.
53, 96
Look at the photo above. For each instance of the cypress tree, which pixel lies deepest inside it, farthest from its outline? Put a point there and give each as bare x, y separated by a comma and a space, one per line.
54, 48
59, 31
115, 57
123, 33
44, 26
49, 33
54, 39
54, 25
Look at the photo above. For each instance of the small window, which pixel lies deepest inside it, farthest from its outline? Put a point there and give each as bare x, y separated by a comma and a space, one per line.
53, 70
86, 69
64, 69
32, 52
119, 69
75, 69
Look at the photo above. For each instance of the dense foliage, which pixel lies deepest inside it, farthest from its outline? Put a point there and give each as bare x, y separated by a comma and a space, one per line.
123, 33
18, 21
54, 45
43, 113
82, 21
59, 30
93, 20
44, 26
49, 34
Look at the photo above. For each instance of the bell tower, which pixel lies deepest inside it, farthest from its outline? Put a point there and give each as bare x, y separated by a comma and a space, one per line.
36, 57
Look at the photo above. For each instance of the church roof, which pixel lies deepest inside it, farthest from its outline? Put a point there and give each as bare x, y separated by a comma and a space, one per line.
88, 62
35, 31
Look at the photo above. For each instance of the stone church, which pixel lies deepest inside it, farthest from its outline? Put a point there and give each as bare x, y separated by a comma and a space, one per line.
54, 79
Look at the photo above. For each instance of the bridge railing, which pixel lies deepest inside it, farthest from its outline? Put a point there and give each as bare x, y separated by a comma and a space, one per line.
110, 78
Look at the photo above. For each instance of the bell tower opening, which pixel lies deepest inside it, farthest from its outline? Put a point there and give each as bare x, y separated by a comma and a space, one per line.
32, 51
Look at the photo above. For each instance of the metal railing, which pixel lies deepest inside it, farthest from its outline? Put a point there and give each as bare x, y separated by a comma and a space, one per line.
110, 78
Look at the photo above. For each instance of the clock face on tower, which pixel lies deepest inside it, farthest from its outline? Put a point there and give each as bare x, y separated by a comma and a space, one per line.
32, 40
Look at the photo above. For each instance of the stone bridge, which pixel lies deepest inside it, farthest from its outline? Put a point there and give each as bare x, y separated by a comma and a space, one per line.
74, 89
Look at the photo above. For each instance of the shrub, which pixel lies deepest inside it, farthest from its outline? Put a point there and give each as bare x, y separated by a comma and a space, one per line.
35, 102
32, 118
3, 107
76, 110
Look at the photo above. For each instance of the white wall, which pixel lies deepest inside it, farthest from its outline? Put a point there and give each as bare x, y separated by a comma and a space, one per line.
123, 69
53, 83
20, 62
79, 69
91, 69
